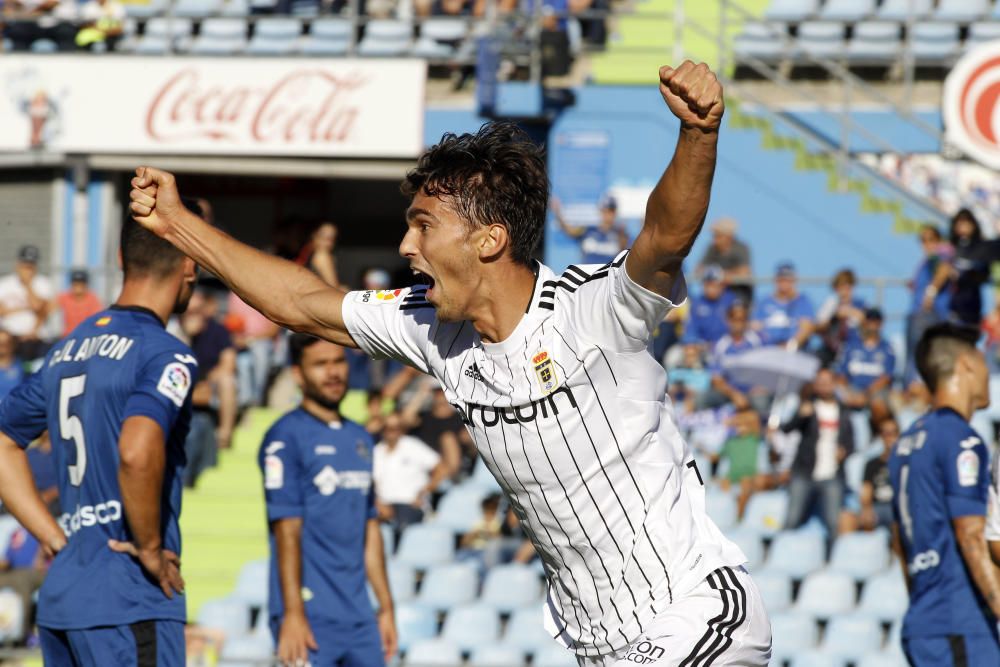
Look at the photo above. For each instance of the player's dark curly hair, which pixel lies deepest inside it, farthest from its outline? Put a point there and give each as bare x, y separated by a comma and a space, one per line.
495, 176
939, 348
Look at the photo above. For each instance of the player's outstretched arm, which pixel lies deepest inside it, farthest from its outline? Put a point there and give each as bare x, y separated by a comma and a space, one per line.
21, 498
142, 459
677, 206
970, 531
283, 291
295, 637
379, 580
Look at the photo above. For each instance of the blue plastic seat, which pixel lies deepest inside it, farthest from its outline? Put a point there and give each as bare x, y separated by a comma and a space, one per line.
510, 587
414, 623
851, 636
979, 33
431, 49
721, 507
847, 10
861, 555
885, 658
43, 46
235, 8
168, 27
145, 10
469, 626
765, 512
763, 40
775, 589
482, 476
402, 581
434, 653
750, 544
328, 37
525, 631
899, 10
445, 586
554, 656
247, 651
426, 545
496, 655
821, 39
444, 29
220, 36
962, 11
251, 584
460, 509
791, 10
817, 658
934, 42
824, 594
884, 596
226, 614
791, 634
796, 553
874, 42
197, 9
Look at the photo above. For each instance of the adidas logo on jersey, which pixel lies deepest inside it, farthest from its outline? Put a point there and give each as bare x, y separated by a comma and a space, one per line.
473, 372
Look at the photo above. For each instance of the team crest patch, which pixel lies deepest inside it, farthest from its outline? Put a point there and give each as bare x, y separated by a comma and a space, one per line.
545, 370
968, 468
103, 322
274, 472
175, 383
361, 447
381, 296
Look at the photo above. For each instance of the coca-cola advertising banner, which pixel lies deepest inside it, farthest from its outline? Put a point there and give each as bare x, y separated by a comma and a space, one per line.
971, 104
218, 106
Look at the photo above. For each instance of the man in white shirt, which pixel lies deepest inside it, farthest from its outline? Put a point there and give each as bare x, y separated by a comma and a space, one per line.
406, 472
551, 374
26, 299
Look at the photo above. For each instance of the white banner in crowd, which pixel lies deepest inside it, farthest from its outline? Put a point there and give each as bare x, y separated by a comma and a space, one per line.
970, 106
213, 106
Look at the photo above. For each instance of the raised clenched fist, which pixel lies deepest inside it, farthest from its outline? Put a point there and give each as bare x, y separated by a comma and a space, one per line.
693, 94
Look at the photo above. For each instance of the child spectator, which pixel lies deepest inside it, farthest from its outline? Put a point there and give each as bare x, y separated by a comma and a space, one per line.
481, 536
741, 452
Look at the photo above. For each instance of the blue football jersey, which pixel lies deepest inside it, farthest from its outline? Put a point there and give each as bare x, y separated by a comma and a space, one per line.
863, 365
939, 470
322, 473
117, 364
599, 246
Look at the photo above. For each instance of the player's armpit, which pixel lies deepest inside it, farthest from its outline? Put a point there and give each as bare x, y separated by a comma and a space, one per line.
971, 538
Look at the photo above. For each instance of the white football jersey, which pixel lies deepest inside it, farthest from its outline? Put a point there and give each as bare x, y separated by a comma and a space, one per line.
570, 414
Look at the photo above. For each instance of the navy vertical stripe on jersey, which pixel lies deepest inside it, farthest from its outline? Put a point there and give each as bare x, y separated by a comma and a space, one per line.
118, 364
321, 473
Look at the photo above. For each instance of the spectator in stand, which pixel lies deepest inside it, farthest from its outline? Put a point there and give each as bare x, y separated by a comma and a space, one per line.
840, 316
317, 254
732, 255
28, 20
930, 299
689, 380
991, 327
739, 339
440, 427
865, 369
214, 397
827, 439
966, 272
11, 370
103, 22
78, 302
482, 536
26, 300
261, 336
876, 490
786, 316
707, 316
22, 569
406, 473
599, 244
741, 452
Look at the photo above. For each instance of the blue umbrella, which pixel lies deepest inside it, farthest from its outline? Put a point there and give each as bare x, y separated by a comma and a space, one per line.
774, 368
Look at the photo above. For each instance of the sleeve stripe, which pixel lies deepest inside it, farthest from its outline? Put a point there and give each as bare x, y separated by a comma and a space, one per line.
415, 306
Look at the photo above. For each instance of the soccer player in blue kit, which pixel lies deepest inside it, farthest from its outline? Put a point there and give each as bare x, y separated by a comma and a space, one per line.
939, 471
324, 533
114, 395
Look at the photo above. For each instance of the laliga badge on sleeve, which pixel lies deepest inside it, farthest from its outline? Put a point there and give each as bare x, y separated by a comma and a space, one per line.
968, 468
381, 296
545, 370
274, 472
175, 383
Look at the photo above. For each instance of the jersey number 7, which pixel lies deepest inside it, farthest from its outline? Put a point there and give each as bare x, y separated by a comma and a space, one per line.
70, 426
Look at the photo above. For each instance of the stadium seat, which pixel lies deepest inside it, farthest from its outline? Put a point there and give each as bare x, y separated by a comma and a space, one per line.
236, 8
820, 39
824, 594
862, 431
482, 476
875, 43
226, 614
554, 656
962, 11
220, 37
526, 632
934, 43
510, 587
791, 10
145, 10
791, 634
431, 49
765, 513
899, 10
251, 584
775, 589
469, 626
275, 36
496, 655
884, 596
328, 37
414, 623
460, 509
197, 9
851, 636
721, 507
384, 37
847, 10
388, 540
425, 545
43, 46
860, 555
750, 544
248, 651
886, 658
444, 29
402, 581
433, 653
987, 31
817, 658
854, 471
796, 553
448, 585
174, 28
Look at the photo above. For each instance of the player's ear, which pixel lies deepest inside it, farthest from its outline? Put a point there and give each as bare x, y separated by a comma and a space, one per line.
190, 270
493, 242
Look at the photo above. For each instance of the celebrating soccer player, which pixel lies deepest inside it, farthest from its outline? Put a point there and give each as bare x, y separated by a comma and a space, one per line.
551, 374
114, 395
939, 471
325, 535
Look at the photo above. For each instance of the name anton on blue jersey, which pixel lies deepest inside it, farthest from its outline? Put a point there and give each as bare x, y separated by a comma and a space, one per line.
109, 346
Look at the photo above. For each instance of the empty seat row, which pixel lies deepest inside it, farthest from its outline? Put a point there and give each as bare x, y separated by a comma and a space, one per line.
472, 625
506, 587
891, 10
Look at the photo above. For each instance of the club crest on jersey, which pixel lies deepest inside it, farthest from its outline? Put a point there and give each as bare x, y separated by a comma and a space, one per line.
175, 383
380, 296
968, 468
363, 452
545, 370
